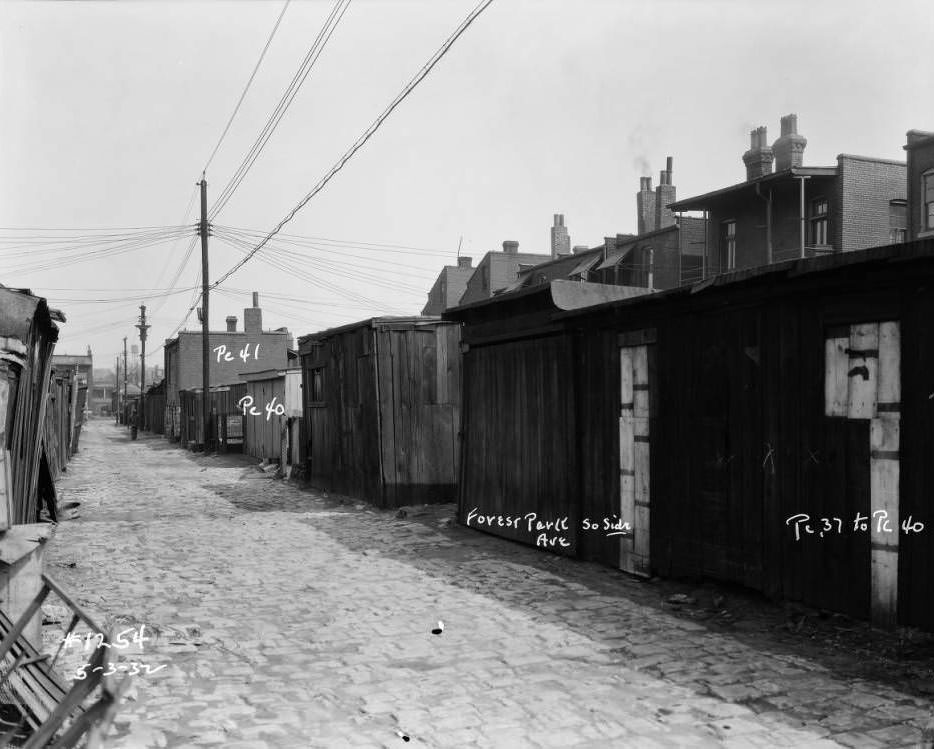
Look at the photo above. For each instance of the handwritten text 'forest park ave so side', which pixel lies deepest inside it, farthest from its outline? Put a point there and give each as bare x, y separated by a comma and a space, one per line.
548, 531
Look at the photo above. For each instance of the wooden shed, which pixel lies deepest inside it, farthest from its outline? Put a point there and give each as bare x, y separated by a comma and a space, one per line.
154, 408
770, 427
226, 422
381, 409
27, 338
272, 416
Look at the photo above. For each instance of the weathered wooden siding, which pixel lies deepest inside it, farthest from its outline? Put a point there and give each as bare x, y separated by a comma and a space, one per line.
386, 427
262, 434
520, 453
804, 389
342, 430
419, 381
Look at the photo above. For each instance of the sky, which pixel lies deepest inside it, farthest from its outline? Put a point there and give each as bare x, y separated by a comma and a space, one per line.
110, 112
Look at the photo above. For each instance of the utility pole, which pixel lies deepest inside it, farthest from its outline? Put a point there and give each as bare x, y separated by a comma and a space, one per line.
205, 326
116, 393
124, 375
143, 327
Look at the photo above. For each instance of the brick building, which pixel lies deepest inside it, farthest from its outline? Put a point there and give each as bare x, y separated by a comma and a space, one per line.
83, 366
796, 210
449, 286
666, 253
920, 204
232, 353
499, 270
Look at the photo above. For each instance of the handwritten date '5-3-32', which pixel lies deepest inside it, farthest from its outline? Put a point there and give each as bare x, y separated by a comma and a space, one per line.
131, 668
879, 522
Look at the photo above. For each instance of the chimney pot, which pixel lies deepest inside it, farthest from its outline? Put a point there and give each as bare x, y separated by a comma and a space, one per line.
758, 159
510, 246
668, 168
231, 324
789, 148
255, 299
464, 261
580, 248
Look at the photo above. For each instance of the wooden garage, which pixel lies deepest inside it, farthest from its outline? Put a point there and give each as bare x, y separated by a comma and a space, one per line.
689, 432
381, 409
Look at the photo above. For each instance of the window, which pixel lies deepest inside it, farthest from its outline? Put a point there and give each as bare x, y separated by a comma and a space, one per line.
898, 221
819, 223
728, 243
485, 277
927, 196
316, 383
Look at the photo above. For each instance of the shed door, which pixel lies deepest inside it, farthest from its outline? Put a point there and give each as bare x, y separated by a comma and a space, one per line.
862, 384
634, 453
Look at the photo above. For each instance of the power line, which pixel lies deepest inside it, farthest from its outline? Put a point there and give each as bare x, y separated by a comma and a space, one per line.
247, 87
410, 86
191, 202
285, 102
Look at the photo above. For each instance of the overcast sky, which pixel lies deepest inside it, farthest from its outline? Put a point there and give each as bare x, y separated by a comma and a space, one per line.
109, 111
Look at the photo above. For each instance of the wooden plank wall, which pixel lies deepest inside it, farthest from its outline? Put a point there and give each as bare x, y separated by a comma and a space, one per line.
741, 442
342, 433
916, 489
419, 387
520, 437
261, 435
749, 431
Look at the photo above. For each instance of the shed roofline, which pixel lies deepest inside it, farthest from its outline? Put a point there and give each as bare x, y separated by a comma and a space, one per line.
369, 322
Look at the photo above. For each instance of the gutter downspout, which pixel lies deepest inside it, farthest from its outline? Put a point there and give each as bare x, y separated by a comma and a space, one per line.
768, 223
705, 262
802, 217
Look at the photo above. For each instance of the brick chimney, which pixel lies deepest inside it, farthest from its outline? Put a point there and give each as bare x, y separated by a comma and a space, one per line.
758, 159
231, 323
560, 241
664, 196
789, 148
645, 205
464, 262
253, 317
510, 247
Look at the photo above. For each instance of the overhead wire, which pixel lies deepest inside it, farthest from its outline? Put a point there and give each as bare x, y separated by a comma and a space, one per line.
247, 87
285, 101
406, 91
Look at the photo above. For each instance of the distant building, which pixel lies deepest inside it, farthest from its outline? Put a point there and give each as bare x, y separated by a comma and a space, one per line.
499, 270
919, 219
667, 251
83, 366
799, 211
560, 240
232, 352
100, 400
449, 286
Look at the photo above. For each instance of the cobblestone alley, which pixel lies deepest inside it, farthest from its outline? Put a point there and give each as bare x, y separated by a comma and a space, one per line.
285, 618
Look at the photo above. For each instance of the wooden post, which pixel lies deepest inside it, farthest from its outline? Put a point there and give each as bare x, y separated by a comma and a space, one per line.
884, 469
205, 320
